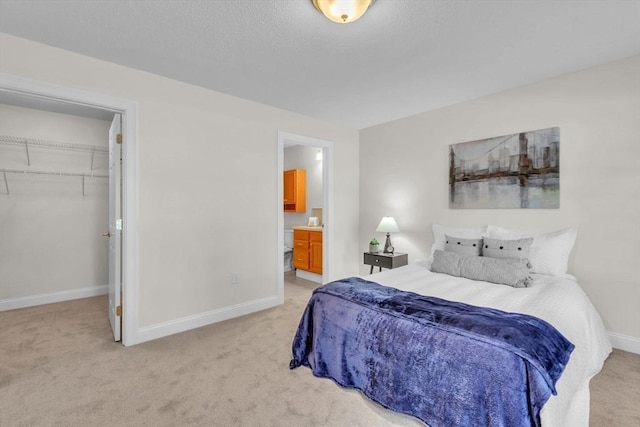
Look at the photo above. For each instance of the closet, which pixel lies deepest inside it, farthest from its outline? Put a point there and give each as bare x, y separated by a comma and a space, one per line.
36, 144
53, 206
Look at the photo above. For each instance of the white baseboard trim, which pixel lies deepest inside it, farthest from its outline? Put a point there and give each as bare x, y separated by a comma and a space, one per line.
624, 342
161, 330
314, 277
33, 300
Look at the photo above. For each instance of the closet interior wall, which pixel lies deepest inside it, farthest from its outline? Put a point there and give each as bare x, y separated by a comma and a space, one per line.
53, 205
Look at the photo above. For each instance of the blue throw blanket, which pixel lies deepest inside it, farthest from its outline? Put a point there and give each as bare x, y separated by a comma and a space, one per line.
447, 363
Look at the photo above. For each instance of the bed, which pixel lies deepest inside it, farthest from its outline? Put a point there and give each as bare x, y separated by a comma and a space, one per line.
550, 295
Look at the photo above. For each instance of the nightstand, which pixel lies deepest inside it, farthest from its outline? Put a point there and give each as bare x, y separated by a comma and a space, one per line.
381, 260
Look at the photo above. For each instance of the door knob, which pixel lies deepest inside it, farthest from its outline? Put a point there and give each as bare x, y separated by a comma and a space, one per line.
107, 234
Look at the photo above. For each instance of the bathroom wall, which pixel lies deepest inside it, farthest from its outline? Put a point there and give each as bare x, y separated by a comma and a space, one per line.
304, 157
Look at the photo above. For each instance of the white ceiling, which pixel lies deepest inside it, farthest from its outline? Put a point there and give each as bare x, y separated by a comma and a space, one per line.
403, 57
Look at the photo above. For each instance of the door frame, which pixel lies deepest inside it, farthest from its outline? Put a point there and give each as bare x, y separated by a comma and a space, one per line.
327, 203
128, 110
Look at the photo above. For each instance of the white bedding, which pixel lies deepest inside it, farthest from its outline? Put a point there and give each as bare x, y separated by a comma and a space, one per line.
558, 300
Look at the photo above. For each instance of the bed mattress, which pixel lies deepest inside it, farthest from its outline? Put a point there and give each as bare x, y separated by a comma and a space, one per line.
558, 300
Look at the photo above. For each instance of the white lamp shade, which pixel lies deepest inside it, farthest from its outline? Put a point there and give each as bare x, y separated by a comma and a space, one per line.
388, 225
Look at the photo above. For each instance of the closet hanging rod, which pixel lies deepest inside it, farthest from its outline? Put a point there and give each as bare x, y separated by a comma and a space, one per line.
30, 172
32, 142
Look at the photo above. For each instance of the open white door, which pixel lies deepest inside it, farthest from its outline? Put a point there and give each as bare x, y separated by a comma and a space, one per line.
115, 227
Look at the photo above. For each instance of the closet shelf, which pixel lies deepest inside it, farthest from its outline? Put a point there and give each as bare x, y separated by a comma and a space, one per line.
32, 142
14, 140
4, 173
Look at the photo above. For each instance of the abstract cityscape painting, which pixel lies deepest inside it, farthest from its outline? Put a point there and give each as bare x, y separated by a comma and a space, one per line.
518, 171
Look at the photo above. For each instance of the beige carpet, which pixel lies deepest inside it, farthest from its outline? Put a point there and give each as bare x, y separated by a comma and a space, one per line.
59, 367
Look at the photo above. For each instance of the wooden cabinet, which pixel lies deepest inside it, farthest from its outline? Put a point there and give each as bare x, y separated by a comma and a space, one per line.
315, 251
307, 250
301, 249
295, 190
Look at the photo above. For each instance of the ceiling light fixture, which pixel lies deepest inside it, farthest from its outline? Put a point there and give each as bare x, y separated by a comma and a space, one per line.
342, 11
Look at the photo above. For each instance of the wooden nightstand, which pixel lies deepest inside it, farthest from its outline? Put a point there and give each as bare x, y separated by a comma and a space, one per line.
381, 260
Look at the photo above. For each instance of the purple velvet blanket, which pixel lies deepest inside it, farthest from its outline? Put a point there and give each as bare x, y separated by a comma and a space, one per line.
447, 363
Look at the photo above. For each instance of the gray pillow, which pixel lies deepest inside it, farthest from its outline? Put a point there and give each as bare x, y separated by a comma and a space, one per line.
463, 246
496, 248
512, 272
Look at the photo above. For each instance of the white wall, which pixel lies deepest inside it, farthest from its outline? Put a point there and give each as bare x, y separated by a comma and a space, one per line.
207, 162
304, 157
404, 173
50, 234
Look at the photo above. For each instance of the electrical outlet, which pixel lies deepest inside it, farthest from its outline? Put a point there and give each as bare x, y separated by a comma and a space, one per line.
235, 277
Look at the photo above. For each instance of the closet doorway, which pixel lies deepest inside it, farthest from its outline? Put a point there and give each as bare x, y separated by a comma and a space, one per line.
108, 171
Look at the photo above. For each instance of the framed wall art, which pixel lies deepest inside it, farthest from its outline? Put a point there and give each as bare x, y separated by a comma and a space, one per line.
518, 171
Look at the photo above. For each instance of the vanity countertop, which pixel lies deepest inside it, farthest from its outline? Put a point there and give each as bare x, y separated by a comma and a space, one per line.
306, 228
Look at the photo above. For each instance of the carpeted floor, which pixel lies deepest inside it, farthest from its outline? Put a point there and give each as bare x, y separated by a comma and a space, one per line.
59, 367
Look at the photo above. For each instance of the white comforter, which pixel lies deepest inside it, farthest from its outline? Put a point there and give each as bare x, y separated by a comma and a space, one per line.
558, 300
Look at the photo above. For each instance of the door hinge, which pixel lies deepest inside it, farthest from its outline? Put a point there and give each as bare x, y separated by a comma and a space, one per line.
119, 138
119, 311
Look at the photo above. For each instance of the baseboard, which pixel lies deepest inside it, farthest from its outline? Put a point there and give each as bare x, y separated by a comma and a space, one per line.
625, 342
203, 319
33, 300
314, 277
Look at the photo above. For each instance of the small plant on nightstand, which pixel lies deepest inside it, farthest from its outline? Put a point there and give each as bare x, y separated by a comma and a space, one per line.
374, 246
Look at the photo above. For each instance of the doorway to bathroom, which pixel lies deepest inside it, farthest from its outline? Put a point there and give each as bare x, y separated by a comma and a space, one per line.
304, 231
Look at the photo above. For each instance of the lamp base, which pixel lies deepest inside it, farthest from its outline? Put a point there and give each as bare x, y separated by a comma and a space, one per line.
388, 249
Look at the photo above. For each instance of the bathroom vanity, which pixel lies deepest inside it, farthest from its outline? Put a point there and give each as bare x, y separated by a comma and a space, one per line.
307, 249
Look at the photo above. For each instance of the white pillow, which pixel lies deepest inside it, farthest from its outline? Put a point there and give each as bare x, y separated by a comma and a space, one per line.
439, 231
549, 252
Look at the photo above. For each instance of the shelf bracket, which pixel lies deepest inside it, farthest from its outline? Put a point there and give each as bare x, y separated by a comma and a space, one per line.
93, 153
82, 185
6, 184
26, 148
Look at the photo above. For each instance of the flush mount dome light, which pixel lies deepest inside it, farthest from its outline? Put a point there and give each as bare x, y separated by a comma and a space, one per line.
342, 11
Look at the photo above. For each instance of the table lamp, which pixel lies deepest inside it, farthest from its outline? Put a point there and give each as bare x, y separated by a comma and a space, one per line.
388, 225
